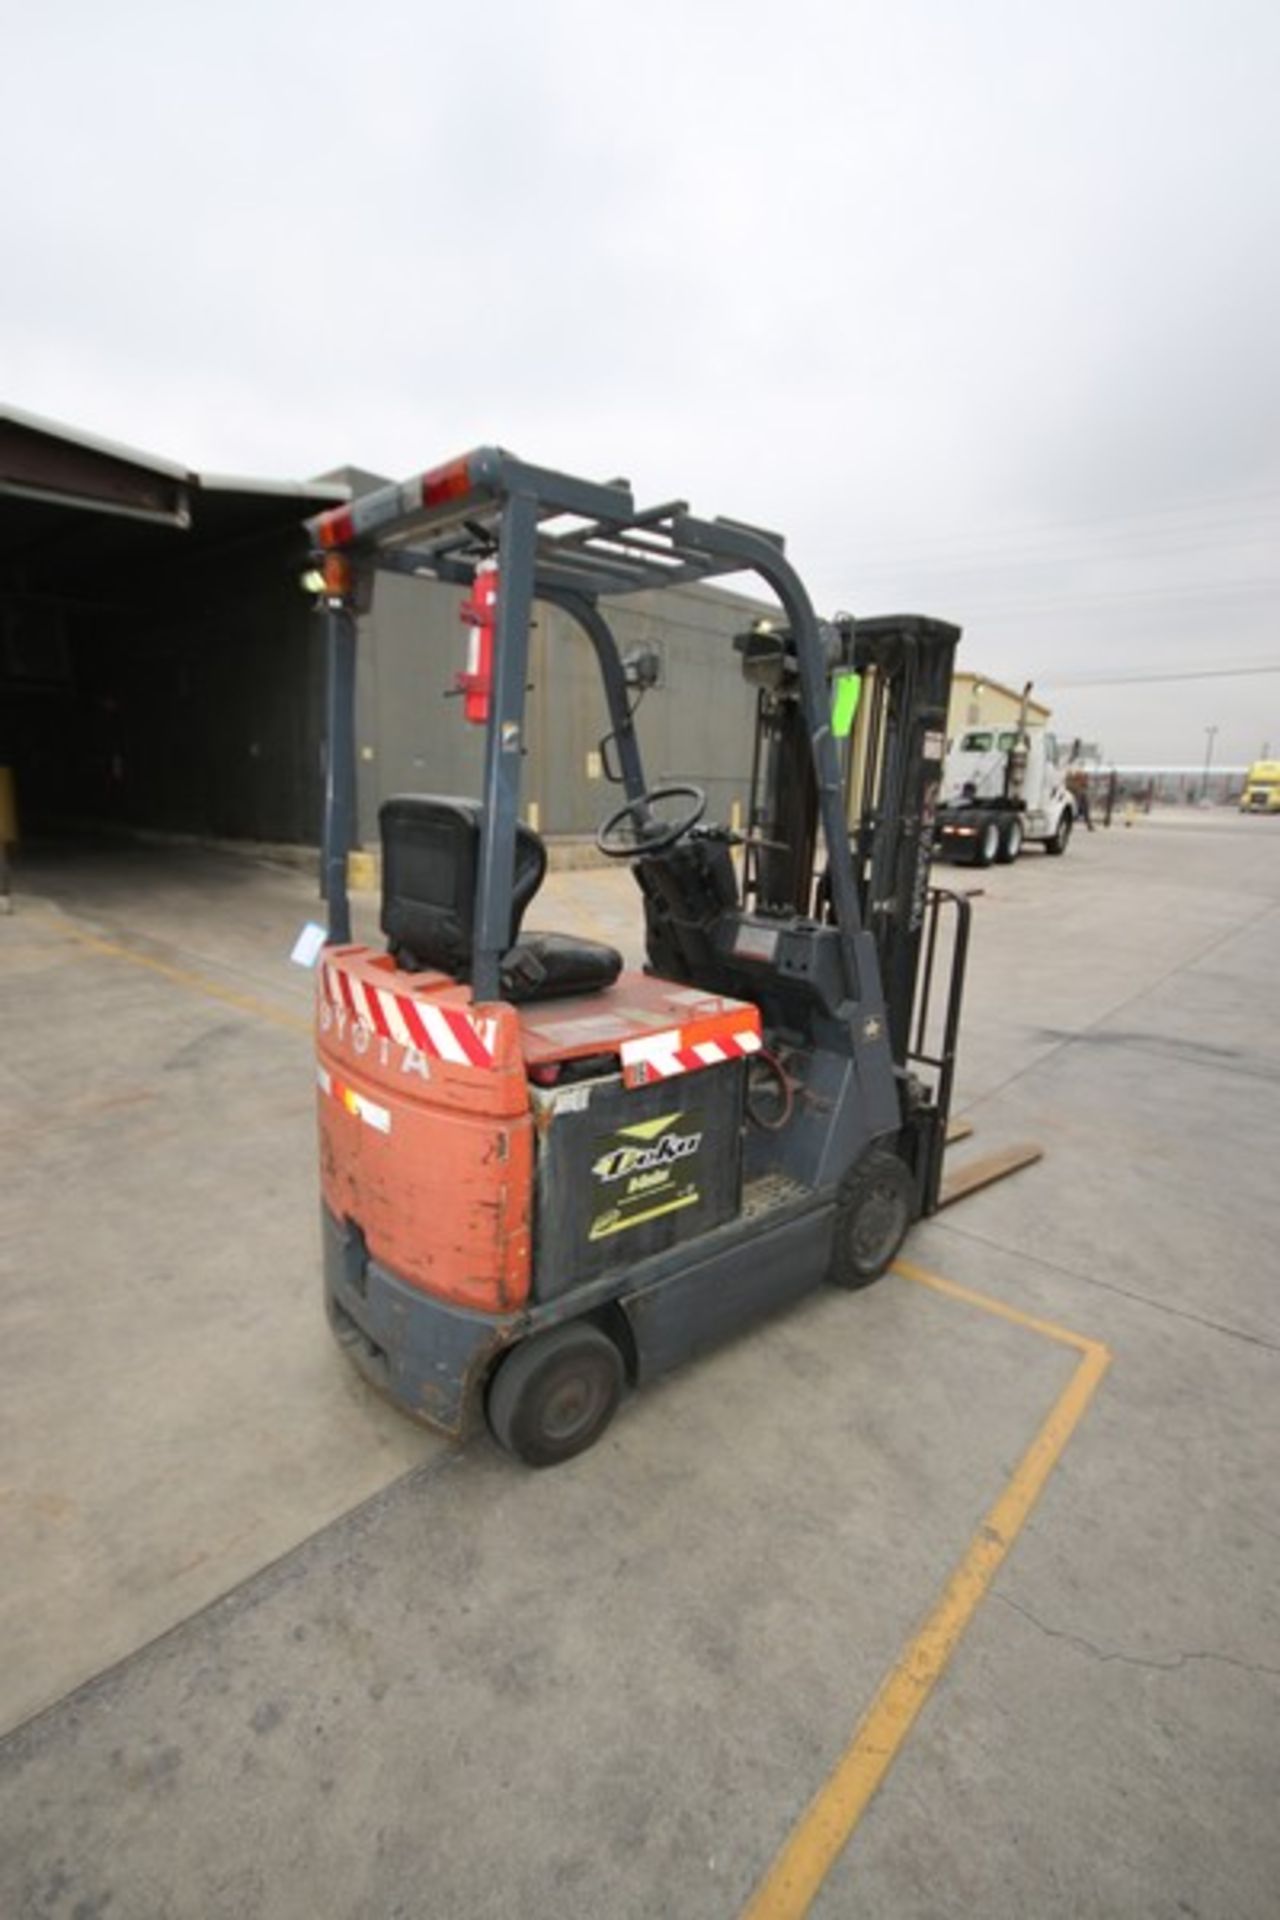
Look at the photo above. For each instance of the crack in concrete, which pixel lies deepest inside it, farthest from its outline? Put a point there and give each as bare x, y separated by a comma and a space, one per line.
1184, 965
1109, 1286
1159, 1046
1171, 1665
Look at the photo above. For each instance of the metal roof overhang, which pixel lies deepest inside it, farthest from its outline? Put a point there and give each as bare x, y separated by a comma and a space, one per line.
73, 507
42, 460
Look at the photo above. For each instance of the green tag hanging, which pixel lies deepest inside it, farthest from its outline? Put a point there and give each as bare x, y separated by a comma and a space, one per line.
846, 693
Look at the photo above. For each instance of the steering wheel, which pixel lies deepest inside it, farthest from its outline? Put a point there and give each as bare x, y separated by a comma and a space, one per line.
645, 834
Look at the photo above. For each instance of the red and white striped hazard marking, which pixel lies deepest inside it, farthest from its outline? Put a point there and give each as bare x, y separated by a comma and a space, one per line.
354, 1103
442, 1033
660, 1056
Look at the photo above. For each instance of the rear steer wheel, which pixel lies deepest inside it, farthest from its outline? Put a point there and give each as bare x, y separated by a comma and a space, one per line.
1010, 842
1057, 841
874, 1208
554, 1395
986, 845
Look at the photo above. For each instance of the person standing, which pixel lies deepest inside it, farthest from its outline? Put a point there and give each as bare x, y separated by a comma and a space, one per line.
1078, 788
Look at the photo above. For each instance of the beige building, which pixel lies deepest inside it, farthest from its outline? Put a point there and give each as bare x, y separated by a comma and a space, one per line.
978, 701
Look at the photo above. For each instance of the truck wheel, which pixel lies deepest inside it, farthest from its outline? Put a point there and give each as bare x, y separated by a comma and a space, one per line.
1010, 843
986, 845
1057, 841
554, 1395
874, 1208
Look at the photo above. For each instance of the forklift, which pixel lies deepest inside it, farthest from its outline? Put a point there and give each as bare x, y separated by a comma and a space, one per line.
546, 1177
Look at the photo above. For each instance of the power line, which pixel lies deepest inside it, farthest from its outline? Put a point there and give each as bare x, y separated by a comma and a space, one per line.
1102, 597
1223, 510
1145, 679
1112, 547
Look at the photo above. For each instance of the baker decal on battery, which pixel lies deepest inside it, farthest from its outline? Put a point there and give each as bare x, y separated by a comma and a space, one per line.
645, 1171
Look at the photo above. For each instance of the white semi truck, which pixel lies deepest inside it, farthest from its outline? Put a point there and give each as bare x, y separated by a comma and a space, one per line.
1002, 787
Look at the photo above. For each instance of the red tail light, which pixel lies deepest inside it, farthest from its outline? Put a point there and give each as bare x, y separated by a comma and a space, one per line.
446, 483
336, 528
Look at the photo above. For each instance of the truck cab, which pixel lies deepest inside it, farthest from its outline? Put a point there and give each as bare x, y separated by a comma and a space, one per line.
977, 765
1002, 786
1261, 788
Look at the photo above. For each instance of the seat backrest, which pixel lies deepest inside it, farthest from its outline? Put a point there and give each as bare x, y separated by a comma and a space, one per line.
430, 865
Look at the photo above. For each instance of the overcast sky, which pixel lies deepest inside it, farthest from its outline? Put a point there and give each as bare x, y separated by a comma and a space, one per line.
979, 303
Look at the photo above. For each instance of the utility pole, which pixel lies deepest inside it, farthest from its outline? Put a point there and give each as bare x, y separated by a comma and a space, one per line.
1210, 735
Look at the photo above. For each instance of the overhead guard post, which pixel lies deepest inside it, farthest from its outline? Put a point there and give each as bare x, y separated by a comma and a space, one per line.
588, 616
504, 748
340, 764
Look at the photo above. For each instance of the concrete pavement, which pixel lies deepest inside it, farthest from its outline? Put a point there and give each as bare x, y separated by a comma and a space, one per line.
466, 1689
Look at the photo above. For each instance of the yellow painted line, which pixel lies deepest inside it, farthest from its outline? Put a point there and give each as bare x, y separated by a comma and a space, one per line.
182, 977
1082, 1343
825, 1828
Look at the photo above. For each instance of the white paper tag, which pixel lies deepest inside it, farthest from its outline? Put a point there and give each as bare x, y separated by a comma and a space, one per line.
306, 948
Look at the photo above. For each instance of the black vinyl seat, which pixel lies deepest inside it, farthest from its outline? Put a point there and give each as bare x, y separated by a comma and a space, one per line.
430, 864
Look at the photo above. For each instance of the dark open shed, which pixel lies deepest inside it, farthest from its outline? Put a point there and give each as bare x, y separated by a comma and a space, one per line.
158, 666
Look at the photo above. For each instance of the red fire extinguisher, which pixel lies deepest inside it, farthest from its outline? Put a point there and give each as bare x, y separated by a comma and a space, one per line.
475, 681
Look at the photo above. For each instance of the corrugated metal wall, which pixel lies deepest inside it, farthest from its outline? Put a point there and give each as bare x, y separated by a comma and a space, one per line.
695, 725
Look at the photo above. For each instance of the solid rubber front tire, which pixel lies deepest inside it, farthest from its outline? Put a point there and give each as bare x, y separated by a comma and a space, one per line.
874, 1209
553, 1395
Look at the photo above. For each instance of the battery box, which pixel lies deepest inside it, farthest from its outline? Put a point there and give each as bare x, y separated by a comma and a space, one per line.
624, 1172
